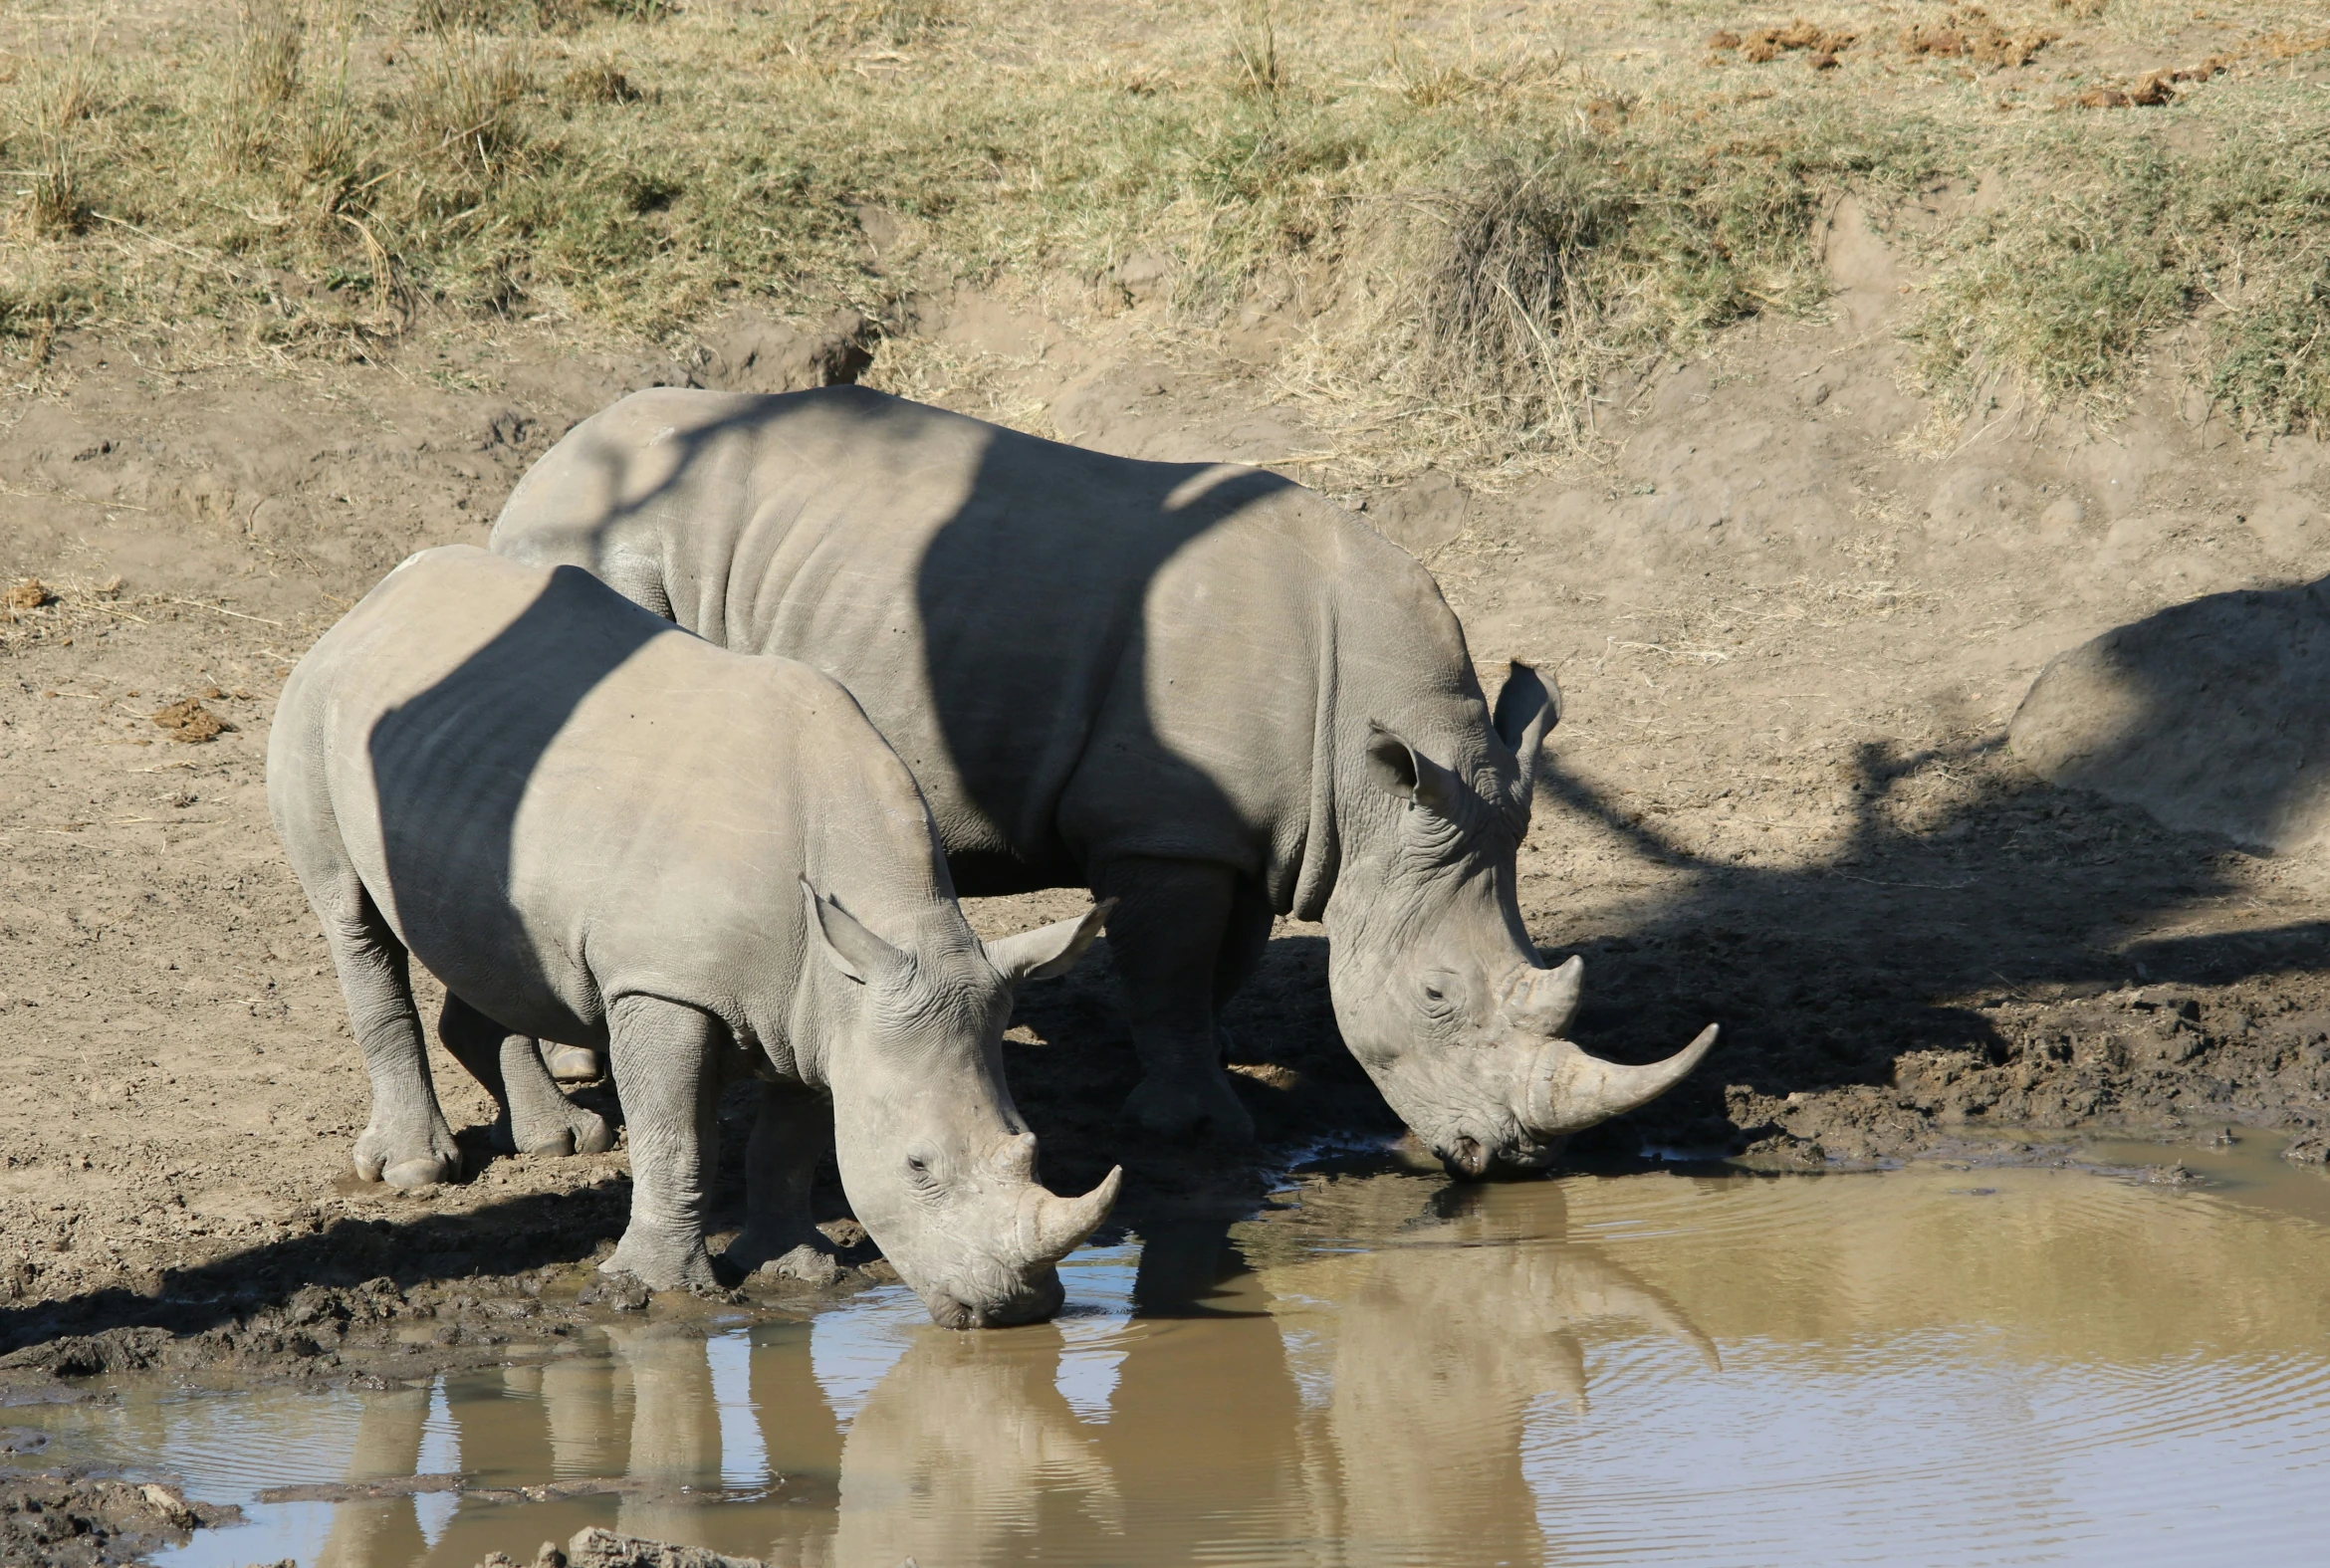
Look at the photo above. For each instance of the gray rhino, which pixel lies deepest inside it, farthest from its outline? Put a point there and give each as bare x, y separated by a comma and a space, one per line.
596, 828
1201, 690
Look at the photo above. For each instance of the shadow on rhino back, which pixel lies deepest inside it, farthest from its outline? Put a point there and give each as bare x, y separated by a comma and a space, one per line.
1018, 705
487, 724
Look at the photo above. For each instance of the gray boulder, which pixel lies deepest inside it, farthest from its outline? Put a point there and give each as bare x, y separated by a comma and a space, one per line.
2213, 715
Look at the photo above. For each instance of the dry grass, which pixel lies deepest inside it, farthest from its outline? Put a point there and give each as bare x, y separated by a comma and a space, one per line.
1474, 221
57, 94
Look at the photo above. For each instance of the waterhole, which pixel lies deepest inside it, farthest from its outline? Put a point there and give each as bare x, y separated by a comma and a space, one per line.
1946, 1364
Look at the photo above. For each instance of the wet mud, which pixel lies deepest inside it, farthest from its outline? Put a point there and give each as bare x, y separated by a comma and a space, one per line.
79, 1521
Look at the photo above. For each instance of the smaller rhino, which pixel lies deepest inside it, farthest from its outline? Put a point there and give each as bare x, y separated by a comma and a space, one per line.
598, 829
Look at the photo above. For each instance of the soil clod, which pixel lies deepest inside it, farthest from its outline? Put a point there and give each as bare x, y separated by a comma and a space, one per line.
598, 1548
187, 719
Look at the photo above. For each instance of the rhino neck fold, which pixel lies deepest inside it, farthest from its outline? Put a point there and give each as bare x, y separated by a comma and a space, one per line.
1363, 916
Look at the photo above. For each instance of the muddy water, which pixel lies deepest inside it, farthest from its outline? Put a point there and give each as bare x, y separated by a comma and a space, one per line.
1936, 1365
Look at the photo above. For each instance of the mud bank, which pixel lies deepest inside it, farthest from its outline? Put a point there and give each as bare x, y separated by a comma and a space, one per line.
66, 1520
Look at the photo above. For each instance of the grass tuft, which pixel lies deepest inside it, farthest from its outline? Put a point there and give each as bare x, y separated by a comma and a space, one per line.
464, 106
2274, 369
1511, 303
2065, 289
60, 95
1254, 46
599, 82
270, 46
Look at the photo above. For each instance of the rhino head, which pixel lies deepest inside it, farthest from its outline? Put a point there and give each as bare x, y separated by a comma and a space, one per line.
1437, 987
935, 1160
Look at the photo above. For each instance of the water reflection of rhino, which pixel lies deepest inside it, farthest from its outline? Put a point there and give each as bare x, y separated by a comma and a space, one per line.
1435, 1350
1277, 1397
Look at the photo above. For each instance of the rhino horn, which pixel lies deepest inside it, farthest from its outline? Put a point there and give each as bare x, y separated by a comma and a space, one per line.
1547, 998
1054, 1226
1570, 1091
1600, 1288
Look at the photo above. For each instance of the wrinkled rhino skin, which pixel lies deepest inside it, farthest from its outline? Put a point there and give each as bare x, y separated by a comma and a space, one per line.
1201, 690
594, 829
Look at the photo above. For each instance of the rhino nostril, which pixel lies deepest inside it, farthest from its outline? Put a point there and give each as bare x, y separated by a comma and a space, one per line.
947, 1312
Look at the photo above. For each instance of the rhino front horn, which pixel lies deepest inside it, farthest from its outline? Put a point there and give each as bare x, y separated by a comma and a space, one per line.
1570, 1091
1054, 1226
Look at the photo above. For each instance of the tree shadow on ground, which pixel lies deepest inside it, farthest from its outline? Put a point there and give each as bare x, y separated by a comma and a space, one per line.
1967, 909
2003, 900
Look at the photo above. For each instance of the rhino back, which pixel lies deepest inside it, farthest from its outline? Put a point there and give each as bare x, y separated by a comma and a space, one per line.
1042, 632
556, 797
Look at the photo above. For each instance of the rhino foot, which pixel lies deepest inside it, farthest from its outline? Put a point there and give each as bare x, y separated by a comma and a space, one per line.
660, 1265
783, 1253
577, 1130
1182, 1107
573, 1065
408, 1162
811, 1265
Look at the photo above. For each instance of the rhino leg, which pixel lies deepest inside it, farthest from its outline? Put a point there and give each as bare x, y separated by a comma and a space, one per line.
794, 1130
407, 1142
1167, 935
535, 1117
666, 1057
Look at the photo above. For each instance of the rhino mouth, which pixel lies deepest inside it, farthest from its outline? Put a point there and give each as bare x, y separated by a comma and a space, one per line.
1034, 1302
1467, 1159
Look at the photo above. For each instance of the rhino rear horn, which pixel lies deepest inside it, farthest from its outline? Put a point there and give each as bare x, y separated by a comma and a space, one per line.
856, 951
1546, 999
1570, 1091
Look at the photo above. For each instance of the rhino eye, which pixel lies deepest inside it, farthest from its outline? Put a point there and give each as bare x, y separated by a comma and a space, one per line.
1432, 992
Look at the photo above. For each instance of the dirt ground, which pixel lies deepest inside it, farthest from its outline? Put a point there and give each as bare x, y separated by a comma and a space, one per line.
1790, 624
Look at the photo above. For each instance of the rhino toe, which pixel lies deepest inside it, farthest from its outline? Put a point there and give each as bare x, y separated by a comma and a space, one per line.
592, 1134
428, 1172
811, 1266
580, 1131
423, 1160
663, 1263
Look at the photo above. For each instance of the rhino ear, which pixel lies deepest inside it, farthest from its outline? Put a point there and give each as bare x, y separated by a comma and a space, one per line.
1527, 709
856, 951
1399, 768
1047, 951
